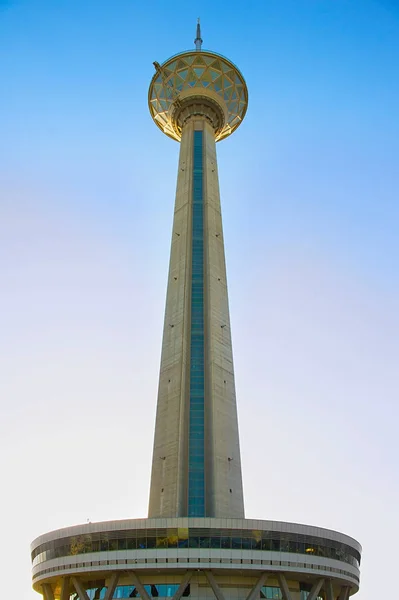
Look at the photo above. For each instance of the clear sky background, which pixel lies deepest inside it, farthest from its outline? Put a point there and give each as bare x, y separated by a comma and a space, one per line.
310, 190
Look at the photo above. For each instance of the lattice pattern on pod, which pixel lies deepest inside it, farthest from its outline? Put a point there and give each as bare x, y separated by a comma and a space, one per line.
204, 72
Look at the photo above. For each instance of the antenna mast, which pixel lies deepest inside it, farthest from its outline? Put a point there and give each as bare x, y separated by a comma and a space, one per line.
198, 40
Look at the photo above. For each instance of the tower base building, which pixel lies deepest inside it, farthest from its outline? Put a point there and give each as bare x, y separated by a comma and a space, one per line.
196, 542
201, 558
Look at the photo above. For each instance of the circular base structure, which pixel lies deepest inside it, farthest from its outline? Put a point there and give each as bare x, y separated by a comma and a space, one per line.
195, 557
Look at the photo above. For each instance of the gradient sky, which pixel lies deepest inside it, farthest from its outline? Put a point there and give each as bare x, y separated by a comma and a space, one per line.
310, 189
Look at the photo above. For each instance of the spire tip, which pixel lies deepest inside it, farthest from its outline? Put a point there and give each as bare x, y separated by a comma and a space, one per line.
198, 40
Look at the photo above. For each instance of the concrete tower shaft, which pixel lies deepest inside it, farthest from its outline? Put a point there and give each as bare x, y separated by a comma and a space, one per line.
196, 469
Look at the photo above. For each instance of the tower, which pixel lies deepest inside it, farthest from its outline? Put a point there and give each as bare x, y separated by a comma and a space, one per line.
197, 98
196, 542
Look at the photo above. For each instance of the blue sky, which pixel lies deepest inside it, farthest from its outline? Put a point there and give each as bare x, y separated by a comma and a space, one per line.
310, 188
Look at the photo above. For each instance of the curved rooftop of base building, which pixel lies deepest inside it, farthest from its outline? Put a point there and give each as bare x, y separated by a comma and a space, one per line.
273, 544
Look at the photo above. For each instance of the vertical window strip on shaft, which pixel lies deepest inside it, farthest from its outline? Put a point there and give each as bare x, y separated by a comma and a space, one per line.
196, 466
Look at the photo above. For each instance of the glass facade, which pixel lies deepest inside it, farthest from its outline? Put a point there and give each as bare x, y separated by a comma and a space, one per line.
305, 591
167, 590
161, 590
271, 593
274, 593
229, 539
196, 444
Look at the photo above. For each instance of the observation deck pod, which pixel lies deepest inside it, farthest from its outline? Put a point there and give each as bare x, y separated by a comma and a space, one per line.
197, 76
